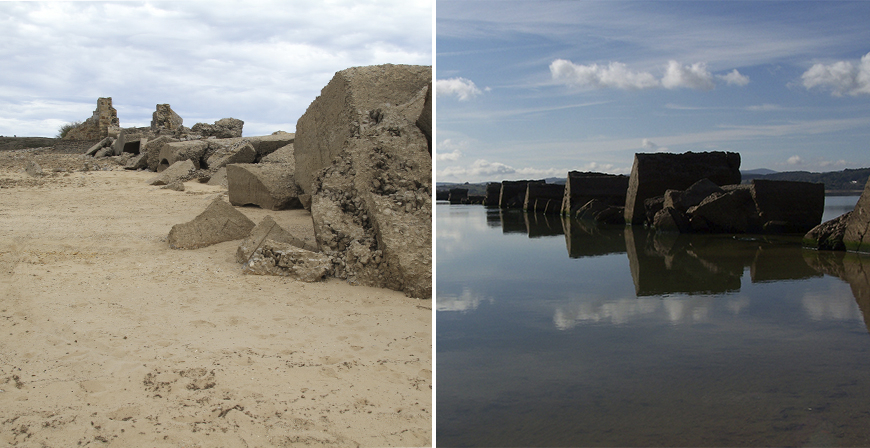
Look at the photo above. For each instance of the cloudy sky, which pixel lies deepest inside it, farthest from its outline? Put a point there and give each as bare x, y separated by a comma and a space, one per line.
261, 62
535, 89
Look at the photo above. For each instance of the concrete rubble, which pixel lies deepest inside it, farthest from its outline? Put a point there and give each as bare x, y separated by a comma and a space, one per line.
218, 223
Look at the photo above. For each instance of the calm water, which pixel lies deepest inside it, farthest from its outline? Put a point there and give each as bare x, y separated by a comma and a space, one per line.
554, 334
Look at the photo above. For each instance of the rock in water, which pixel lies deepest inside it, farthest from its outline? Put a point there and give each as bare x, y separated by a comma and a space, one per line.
218, 223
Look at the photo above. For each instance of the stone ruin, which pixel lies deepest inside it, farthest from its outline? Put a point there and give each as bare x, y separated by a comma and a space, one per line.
98, 126
360, 161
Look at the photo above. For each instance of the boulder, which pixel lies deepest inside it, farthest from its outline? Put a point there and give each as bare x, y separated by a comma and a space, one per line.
151, 149
271, 186
788, 207
275, 258
33, 169
828, 235
175, 185
218, 223
653, 174
97, 126
542, 193
582, 187
692, 196
219, 178
513, 193
493, 190
669, 219
372, 207
165, 121
728, 212
192, 150
178, 171
344, 105
457, 195
284, 154
241, 152
857, 234
223, 128
268, 229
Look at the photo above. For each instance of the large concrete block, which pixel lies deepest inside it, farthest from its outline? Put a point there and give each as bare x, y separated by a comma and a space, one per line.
192, 150
789, 207
857, 234
493, 191
242, 152
268, 185
178, 171
513, 193
342, 108
538, 196
582, 187
653, 174
218, 223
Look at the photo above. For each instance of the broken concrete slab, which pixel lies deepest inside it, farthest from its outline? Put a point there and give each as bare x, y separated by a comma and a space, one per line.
275, 258
268, 229
223, 128
175, 185
219, 178
178, 170
106, 142
164, 120
192, 150
241, 152
344, 105
152, 149
218, 223
271, 186
284, 154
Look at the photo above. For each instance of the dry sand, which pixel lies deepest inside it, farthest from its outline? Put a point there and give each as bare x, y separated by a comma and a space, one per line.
111, 338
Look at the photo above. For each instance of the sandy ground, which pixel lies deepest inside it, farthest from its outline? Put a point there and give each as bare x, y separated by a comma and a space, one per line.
111, 338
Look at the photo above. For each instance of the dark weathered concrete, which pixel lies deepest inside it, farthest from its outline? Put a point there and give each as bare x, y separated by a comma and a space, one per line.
582, 187
537, 196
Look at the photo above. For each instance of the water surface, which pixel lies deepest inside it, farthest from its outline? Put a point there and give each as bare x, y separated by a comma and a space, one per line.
559, 333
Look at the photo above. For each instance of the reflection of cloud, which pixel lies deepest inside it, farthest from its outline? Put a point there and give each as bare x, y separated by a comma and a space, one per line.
735, 306
467, 301
621, 311
831, 307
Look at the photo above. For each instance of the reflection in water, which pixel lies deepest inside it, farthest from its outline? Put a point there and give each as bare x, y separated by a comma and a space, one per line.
851, 267
585, 239
540, 225
466, 301
672, 263
676, 310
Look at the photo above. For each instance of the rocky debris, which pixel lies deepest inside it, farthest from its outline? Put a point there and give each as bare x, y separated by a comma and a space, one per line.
829, 234
223, 128
513, 193
653, 174
538, 196
493, 191
344, 106
104, 143
219, 178
268, 229
457, 195
424, 121
178, 171
97, 126
165, 121
372, 207
271, 186
582, 187
762, 206
241, 152
275, 258
284, 154
33, 169
600, 212
218, 223
139, 162
175, 185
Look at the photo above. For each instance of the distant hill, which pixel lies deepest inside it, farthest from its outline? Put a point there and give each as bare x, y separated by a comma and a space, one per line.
846, 180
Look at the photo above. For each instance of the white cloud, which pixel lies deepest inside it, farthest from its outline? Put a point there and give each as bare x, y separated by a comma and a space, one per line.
764, 107
693, 76
461, 88
265, 68
615, 75
734, 78
650, 146
842, 77
794, 160
448, 156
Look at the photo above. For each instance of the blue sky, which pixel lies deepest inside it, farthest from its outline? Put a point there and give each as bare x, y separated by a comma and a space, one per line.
535, 89
262, 62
